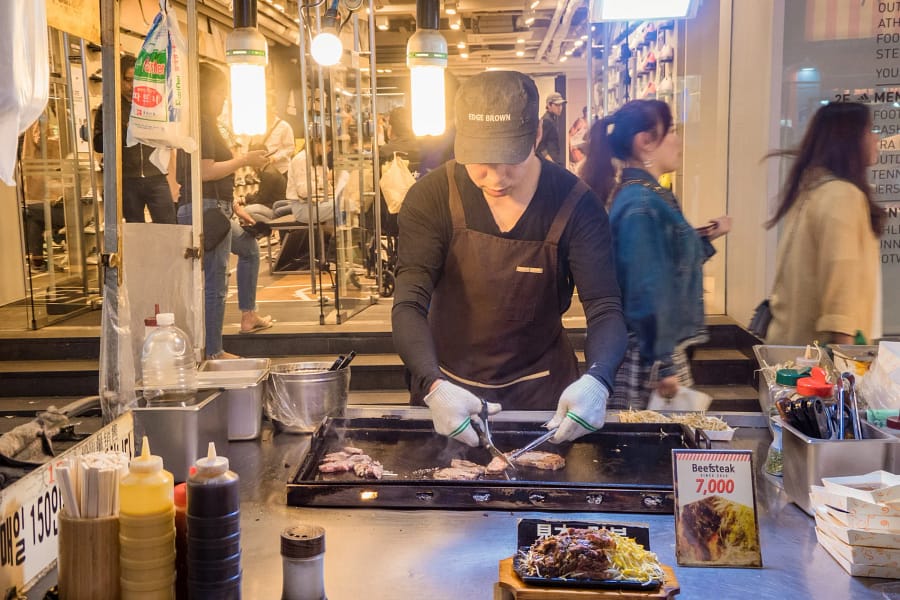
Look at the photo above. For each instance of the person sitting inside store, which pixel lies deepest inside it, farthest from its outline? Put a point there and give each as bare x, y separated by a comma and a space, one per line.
303, 205
491, 247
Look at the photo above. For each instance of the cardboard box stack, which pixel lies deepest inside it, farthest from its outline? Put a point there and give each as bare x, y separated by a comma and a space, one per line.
858, 522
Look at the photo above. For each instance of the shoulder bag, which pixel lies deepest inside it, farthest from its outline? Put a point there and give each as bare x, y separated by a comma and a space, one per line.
762, 316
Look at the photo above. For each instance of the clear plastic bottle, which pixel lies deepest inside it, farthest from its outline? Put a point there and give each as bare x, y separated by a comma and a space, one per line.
168, 368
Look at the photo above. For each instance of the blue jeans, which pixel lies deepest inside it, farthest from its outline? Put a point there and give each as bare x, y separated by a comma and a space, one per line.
245, 246
215, 277
282, 207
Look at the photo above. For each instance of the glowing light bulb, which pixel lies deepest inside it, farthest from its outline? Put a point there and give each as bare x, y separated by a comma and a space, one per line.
426, 57
246, 52
428, 104
326, 49
248, 99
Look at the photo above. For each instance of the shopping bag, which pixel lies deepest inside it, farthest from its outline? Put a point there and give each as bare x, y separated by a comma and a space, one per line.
395, 182
686, 400
25, 72
159, 109
762, 316
880, 388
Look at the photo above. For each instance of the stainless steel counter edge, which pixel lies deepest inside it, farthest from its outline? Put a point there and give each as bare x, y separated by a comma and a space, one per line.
439, 554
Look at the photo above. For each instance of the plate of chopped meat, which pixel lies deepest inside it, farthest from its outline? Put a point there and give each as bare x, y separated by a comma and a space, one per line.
586, 555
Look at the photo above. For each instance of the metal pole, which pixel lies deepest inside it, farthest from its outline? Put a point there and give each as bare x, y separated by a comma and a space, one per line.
314, 227
361, 177
589, 80
91, 163
111, 387
376, 160
76, 165
605, 70
196, 181
304, 107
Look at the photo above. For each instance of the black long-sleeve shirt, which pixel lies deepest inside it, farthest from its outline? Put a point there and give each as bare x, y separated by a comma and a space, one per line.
549, 144
585, 261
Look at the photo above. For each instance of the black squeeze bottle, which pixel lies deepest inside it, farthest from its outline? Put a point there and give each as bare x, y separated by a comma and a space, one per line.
213, 530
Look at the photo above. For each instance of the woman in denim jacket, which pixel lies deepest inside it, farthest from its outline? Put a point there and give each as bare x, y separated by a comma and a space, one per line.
659, 255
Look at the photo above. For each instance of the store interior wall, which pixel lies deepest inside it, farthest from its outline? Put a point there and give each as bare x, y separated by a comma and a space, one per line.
704, 114
753, 131
12, 274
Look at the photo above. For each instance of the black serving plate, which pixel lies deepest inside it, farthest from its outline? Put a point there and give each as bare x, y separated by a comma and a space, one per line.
610, 584
530, 530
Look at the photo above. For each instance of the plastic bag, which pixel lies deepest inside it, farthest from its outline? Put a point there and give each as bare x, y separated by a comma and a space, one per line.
880, 388
395, 182
687, 399
25, 71
159, 109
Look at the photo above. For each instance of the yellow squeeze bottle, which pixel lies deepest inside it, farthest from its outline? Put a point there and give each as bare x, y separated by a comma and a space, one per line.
148, 489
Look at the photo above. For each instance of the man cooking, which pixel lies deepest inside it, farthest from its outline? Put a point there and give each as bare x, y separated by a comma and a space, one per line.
491, 246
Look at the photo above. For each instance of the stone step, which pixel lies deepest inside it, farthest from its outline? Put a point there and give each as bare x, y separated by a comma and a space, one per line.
718, 369
722, 366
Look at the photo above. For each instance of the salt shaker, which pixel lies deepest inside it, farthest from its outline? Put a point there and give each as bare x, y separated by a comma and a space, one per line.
303, 558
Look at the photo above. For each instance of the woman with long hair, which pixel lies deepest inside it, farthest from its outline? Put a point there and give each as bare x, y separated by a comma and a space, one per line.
659, 256
827, 267
217, 167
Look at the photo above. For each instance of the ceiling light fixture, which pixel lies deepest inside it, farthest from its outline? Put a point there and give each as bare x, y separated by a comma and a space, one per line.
563, 58
450, 7
464, 55
460, 44
247, 53
455, 22
534, 4
520, 53
629, 10
426, 57
326, 47
382, 23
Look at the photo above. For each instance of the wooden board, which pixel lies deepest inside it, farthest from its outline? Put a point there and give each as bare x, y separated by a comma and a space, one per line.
511, 587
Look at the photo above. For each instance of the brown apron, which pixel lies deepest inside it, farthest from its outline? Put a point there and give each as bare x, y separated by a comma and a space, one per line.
495, 315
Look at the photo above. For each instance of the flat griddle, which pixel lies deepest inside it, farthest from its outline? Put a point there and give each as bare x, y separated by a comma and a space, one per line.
624, 467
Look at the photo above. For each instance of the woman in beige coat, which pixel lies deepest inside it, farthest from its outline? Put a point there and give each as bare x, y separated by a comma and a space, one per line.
827, 266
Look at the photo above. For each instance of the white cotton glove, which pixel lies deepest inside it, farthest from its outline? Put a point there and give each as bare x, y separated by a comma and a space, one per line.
452, 410
581, 409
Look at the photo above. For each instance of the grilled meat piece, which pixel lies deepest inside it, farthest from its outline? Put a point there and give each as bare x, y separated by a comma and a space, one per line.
352, 450
535, 459
459, 469
369, 470
574, 553
362, 465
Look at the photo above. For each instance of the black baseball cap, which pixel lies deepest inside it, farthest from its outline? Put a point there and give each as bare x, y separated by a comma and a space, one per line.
496, 118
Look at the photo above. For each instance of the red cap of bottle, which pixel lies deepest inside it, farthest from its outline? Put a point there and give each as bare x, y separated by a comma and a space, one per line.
815, 385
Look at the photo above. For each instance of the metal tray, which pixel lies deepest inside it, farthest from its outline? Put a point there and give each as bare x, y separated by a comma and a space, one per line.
625, 467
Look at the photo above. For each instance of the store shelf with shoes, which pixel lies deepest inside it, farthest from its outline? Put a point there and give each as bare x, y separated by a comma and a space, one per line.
642, 63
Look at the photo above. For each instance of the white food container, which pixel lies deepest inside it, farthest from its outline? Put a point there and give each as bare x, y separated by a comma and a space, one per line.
241, 382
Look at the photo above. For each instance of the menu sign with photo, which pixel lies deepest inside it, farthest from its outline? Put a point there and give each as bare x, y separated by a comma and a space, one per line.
715, 509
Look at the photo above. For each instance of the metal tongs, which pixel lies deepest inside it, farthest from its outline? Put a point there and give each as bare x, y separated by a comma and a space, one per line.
484, 435
532, 445
843, 396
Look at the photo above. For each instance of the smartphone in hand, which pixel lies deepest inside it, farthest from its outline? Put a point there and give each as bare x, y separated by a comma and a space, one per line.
707, 229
